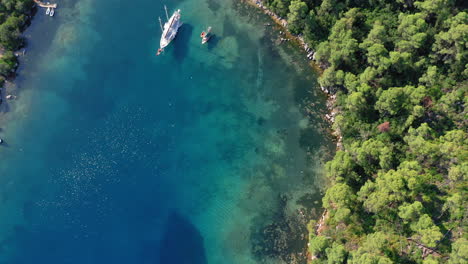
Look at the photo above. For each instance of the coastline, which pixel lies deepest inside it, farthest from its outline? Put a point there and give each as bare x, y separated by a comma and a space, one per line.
282, 23
11, 88
8, 91
18, 53
331, 98
9, 80
310, 55
376, 152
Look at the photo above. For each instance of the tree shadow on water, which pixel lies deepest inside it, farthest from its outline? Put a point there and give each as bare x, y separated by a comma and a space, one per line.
181, 43
181, 243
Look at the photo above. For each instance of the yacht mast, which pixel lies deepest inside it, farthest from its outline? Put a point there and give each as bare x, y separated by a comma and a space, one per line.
160, 24
167, 16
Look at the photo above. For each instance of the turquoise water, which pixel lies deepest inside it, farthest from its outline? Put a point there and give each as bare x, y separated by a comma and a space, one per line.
114, 155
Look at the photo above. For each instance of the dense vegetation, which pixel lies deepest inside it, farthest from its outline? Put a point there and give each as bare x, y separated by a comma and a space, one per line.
13, 18
399, 68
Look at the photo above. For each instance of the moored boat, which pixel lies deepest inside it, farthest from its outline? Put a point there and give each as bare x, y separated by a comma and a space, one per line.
169, 30
47, 12
51, 12
205, 35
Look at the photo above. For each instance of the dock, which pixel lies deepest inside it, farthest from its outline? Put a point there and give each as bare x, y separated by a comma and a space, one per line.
46, 5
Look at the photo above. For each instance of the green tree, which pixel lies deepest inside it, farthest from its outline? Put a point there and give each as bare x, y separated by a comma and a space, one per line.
427, 231
456, 205
377, 35
389, 190
372, 250
459, 253
297, 14
410, 212
458, 173
453, 145
8, 63
317, 245
373, 155
280, 7
10, 35
431, 260
332, 79
452, 104
421, 146
392, 102
341, 167
323, 54
339, 195
313, 31
430, 8
328, 11
336, 254
377, 56
401, 62
23, 6
450, 46
340, 50
412, 31
356, 103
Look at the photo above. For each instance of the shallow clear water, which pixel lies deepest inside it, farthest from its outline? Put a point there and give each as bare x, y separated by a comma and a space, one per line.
114, 155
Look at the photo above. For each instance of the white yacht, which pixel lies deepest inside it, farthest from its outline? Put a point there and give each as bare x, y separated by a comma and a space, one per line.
169, 30
47, 12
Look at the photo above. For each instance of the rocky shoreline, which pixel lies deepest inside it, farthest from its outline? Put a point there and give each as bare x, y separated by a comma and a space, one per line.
310, 55
18, 53
332, 109
284, 24
286, 237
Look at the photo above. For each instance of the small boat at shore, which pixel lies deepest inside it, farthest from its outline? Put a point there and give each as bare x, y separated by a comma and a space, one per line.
205, 35
47, 12
52, 12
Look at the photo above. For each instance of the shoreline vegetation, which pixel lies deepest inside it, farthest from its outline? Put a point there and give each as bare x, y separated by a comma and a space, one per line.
396, 75
15, 17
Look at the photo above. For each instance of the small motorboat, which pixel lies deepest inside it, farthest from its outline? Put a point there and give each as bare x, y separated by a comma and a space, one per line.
47, 12
205, 35
52, 12
159, 52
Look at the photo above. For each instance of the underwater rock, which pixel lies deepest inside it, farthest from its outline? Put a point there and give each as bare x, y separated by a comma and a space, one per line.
283, 239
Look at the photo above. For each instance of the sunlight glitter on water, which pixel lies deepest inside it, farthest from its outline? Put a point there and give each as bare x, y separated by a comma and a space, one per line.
120, 145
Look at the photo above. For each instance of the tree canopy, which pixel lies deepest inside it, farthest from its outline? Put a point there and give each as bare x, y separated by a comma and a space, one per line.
13, 15
399, 70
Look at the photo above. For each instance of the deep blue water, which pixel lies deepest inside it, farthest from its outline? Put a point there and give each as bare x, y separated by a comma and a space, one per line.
114, 155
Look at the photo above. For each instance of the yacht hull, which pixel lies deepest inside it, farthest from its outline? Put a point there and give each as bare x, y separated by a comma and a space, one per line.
170, 29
